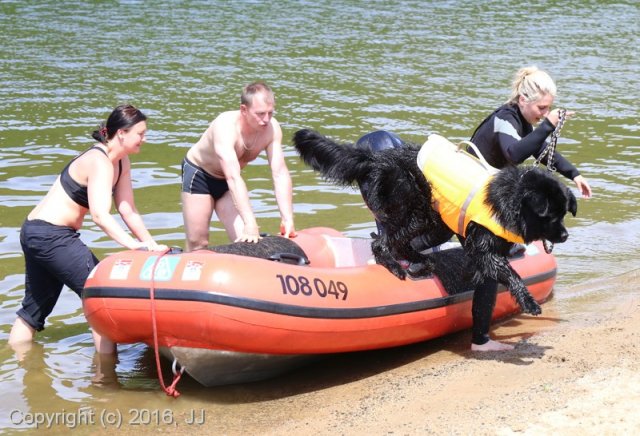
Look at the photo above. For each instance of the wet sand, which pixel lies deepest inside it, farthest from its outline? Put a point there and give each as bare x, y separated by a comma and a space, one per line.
576, 374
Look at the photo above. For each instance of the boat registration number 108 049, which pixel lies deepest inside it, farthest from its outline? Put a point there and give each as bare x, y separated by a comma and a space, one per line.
301, 285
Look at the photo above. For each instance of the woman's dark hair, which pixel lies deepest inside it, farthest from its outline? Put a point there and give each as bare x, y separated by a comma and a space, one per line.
122, 117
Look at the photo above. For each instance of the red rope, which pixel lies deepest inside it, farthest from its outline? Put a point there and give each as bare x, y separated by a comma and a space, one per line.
171, 389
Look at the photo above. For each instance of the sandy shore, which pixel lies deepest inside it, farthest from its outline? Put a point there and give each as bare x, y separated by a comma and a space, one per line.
579, 376
569, 375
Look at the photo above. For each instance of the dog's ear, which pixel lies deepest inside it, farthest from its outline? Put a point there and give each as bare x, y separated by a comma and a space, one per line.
537, 203
572, 203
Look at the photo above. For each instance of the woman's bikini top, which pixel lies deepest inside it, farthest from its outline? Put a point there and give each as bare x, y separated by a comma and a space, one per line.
76, 191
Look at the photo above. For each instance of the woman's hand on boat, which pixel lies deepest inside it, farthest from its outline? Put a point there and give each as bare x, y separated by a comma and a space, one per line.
152, 245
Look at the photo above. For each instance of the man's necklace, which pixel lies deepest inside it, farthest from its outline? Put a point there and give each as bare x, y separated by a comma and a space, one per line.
244, 145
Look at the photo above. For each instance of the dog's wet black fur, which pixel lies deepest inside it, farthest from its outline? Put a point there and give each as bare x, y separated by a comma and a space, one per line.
268, 247
527, 201
451, 266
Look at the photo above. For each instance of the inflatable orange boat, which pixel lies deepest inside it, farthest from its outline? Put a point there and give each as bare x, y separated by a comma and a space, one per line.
227, 318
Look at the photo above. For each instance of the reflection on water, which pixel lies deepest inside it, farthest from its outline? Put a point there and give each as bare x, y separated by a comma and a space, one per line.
344, 68
37, 375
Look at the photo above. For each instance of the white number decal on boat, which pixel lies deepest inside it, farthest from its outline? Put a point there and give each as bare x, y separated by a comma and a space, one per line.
302, 285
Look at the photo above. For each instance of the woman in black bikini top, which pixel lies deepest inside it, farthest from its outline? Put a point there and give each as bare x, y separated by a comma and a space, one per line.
54, 254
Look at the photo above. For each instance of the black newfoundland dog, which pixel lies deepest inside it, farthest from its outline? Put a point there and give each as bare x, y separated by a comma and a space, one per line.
527, 201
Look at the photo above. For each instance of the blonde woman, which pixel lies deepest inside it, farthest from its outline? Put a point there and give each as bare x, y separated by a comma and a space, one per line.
54, 254
507, 137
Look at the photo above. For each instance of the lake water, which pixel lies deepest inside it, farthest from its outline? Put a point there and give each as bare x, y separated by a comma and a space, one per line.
341, 67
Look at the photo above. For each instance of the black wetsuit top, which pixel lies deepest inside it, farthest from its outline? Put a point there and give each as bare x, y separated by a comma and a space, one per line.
76, 191
506, 138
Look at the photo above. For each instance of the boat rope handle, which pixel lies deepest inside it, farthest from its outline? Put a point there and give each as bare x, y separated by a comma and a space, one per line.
291, 258
171, 389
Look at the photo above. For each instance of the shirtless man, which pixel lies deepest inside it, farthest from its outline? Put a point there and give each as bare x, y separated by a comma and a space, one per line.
211, 171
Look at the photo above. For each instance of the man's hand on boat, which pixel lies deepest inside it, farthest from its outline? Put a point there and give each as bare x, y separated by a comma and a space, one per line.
287, 230
253, 234
249, 234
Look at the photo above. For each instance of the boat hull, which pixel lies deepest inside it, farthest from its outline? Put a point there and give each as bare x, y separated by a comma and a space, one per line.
220, 367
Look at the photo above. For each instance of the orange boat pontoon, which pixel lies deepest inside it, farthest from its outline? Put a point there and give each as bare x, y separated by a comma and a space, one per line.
228, 318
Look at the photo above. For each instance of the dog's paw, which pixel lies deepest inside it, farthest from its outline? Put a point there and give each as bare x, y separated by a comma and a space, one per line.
394, 268
400, 273
530, 306
397, 270
420, 270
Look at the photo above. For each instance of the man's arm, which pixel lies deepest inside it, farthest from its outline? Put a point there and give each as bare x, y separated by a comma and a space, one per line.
281, 182
224, 143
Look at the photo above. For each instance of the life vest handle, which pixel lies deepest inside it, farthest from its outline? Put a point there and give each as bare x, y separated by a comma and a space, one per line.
483, 161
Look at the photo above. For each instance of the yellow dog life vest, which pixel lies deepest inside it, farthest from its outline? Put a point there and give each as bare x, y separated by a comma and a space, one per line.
459, 183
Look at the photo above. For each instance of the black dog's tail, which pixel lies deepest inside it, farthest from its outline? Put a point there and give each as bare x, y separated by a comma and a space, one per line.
341, 163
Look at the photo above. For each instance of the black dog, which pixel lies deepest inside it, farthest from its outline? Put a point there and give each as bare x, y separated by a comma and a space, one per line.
268, 247
529, 202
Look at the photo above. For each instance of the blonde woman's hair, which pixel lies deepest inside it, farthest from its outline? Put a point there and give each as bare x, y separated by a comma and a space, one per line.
532, 83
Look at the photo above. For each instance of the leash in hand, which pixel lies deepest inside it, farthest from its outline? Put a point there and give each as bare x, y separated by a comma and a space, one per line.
551, 146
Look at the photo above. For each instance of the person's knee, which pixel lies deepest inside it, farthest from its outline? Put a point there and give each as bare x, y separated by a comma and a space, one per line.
196, 231
197, 242
21, 332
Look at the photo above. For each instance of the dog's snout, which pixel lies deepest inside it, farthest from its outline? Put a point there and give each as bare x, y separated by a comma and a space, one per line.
557, 237
564, 235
